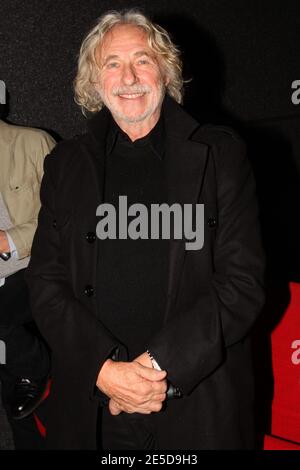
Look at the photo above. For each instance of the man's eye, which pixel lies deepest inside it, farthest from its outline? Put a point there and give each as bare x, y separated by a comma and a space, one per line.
142, 61
112, 65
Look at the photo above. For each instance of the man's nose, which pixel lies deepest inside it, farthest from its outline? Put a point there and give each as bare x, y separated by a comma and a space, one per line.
129, 76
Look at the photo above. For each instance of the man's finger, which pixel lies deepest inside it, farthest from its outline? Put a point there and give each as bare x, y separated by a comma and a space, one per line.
113, 408
151, 374
159, 397
159, 387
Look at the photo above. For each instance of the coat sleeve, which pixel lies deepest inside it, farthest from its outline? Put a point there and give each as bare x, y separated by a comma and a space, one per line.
79, 342
22, 235
192, 344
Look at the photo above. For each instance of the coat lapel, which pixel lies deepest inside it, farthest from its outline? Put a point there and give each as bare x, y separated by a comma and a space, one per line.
89, 194
185, 164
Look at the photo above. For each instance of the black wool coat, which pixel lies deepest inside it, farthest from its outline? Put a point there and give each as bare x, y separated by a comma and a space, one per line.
214, 294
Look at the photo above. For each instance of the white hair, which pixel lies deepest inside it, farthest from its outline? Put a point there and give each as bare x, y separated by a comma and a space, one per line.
158, 40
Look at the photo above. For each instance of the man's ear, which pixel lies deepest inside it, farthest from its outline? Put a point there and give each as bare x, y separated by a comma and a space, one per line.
167, 80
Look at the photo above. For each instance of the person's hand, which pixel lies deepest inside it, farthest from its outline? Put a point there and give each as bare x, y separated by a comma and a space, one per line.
132, 387
4, 245
144, 360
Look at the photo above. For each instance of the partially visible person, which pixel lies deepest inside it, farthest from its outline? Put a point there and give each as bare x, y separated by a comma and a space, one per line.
25, 370
116, 309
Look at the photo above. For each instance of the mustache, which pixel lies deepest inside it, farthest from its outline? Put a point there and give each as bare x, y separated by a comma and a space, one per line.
131, 90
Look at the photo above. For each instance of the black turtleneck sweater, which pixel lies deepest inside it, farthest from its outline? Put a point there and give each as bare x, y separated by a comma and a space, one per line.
132, 279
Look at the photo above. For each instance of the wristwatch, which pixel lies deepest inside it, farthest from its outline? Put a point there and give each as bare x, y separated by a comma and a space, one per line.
173, 392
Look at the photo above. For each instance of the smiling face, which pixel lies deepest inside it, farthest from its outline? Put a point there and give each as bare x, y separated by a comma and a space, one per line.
131, 84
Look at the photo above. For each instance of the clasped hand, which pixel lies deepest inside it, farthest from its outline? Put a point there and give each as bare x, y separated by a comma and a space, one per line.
4, 245
133, 387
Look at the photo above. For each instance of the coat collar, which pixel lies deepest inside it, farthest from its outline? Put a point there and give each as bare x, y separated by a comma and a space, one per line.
177, 123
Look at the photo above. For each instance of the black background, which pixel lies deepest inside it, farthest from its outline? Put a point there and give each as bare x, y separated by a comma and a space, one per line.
248, 52
242, 56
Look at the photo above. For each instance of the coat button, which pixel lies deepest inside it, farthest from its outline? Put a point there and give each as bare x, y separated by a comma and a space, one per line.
89, 290
90, 237
212, 222
54, 224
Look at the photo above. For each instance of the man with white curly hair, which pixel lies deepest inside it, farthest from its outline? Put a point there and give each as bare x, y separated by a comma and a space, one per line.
150, 341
